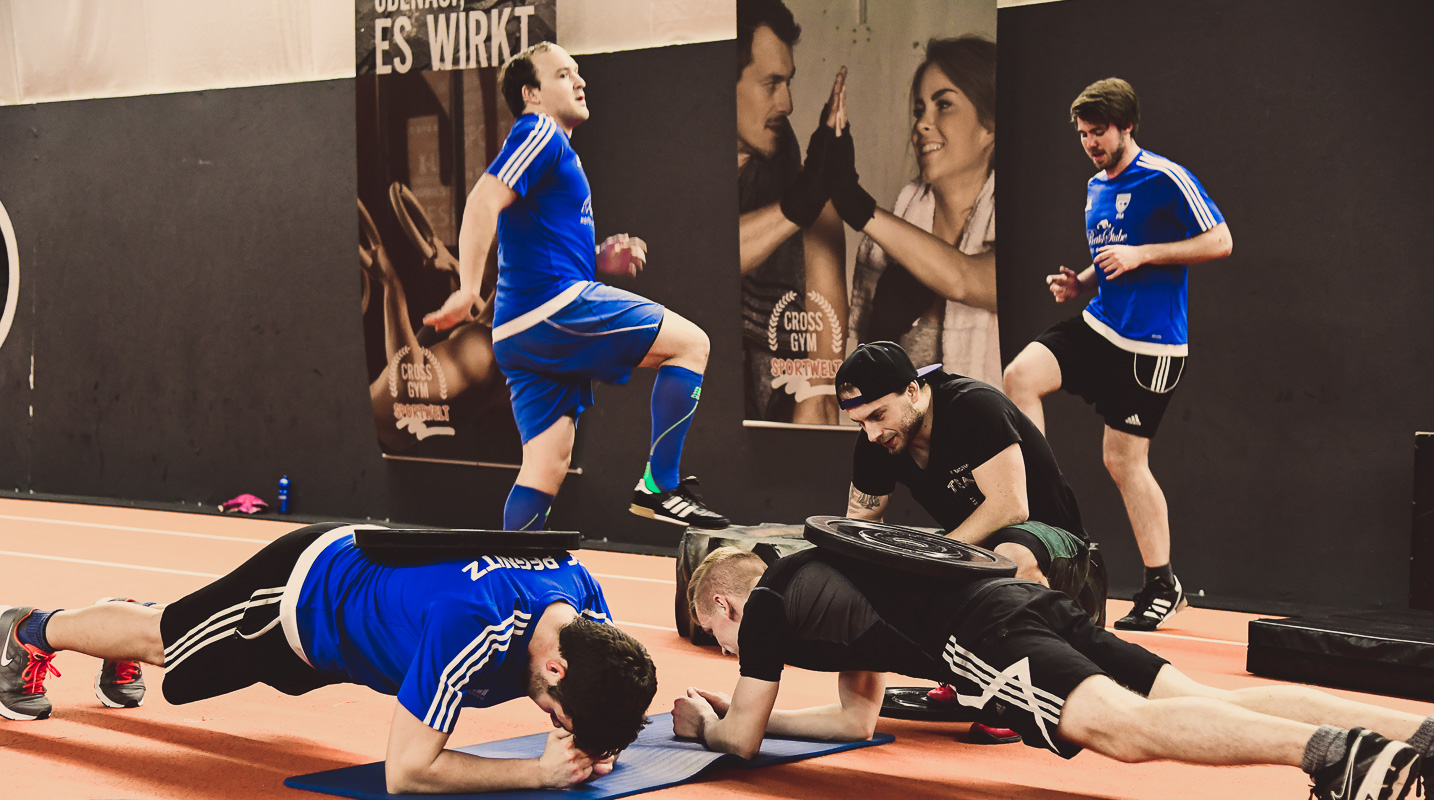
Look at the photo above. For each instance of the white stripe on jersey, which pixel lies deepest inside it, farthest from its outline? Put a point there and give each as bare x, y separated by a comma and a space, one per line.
524, 155
1203, 216
470, 659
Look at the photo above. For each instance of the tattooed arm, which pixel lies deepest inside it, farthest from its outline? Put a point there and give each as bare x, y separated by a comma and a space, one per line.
860, 505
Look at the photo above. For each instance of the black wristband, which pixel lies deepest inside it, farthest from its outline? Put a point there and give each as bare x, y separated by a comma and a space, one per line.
855, 206
803, 201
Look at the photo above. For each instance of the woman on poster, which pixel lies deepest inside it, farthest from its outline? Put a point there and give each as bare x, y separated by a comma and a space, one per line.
926, 271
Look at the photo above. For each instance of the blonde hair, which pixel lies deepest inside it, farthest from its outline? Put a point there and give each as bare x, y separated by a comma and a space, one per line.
726, 570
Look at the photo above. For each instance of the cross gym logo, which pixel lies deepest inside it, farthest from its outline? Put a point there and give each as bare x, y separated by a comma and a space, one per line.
9, 275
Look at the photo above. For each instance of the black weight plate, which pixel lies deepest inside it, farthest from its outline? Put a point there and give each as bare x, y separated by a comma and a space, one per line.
906, 549
911, 702
429, 542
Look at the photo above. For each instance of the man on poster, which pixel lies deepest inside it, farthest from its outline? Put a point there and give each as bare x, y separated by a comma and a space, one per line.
556, 329
1147, 220
793, 248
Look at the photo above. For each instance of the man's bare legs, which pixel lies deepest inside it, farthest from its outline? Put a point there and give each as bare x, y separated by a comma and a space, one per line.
1105, 717
1295, 702
1291, 725
679, 343
1127, 459
112, 631
1033, 374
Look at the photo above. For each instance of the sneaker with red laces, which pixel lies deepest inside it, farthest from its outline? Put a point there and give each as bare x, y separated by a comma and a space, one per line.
23, 669
119, 684
945, 695
942, 695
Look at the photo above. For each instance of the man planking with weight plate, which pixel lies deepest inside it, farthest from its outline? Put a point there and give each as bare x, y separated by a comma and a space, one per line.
978, 466
312, 609
1025, 657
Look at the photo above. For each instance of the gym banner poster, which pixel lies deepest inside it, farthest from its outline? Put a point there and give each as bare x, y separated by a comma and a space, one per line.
429, 120
809, 299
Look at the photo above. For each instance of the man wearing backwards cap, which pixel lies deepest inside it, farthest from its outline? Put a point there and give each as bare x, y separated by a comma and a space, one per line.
966, 453
979, 471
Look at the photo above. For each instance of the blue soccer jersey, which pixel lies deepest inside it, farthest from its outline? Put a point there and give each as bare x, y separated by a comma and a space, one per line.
439, 637
546, 240
1153, 201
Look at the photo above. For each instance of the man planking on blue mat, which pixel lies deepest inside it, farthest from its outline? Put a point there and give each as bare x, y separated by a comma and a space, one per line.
311, 609
1026, 657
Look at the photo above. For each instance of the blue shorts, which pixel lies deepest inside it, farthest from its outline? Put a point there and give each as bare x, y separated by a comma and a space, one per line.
551, 359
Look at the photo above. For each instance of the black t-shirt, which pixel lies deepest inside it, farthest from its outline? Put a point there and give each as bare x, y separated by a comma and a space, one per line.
972, 423
822, 611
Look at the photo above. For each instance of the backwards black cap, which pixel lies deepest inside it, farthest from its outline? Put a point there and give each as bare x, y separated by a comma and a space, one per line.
877, 369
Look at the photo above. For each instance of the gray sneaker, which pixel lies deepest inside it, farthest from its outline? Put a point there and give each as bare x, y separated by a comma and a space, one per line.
23, 669
119, 684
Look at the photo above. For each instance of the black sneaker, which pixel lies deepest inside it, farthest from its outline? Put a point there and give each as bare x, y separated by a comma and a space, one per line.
23, 669
1373, 768
680, 506
1154, 605
119, 684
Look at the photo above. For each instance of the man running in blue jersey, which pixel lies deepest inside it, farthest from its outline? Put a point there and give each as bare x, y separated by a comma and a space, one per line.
556, 329
1147, 220
311, 609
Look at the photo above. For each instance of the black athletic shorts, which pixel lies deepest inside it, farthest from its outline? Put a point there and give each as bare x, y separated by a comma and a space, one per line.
1020, 649
227, 636
1129, 391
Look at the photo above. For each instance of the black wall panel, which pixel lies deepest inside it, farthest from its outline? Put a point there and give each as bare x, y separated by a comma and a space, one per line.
1285, 454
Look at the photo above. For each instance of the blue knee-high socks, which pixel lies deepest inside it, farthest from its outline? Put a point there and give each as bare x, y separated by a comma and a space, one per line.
674, 400
526, 509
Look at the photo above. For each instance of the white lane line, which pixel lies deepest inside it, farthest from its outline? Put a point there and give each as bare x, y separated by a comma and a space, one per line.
631, 578
109, 527
1180, 636
110, 564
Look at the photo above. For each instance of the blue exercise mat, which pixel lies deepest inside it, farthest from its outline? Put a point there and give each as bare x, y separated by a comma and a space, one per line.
655, 761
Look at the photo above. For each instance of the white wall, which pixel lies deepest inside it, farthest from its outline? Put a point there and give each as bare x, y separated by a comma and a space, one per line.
74, 49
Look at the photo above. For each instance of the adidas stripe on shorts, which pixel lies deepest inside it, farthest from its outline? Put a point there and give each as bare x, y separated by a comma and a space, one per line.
1021, 649
227, 636
1129, 391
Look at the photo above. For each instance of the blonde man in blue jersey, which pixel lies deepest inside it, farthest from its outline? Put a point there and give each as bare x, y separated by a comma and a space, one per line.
1147, 220
555, 328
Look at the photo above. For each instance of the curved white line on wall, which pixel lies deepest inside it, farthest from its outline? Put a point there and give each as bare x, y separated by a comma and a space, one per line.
12, 292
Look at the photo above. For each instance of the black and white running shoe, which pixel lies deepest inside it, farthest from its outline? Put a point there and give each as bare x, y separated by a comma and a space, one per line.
1154, 606
680, 506
1373, 768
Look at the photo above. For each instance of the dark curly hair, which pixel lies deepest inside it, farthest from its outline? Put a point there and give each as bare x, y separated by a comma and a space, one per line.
609, 683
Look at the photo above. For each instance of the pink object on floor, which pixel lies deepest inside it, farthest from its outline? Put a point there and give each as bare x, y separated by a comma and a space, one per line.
245, 504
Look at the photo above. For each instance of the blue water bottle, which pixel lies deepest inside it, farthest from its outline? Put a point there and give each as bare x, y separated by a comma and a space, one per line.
284, 495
